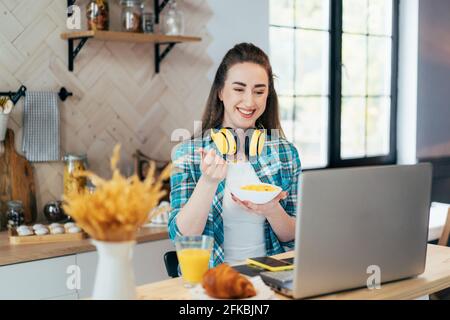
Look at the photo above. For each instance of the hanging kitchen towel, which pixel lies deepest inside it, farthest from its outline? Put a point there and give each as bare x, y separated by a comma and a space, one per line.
40, 140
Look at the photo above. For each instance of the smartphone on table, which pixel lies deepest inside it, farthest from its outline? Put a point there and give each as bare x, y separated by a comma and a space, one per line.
270, 263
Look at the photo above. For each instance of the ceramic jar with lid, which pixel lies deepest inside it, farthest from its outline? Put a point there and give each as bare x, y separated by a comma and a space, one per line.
131, 15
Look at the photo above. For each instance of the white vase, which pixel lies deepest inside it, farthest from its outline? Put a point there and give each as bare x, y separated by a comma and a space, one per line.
114, 278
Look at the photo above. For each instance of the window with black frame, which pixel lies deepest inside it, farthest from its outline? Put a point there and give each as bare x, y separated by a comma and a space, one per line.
335, 63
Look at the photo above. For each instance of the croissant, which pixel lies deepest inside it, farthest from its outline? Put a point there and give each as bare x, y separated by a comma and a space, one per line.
224, 282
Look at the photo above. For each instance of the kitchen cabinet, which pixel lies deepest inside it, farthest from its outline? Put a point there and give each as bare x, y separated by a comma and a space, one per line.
149, 261
48, 278
72, 296
42, 279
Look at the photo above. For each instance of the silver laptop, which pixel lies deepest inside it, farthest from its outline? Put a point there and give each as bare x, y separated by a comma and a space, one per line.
357, 223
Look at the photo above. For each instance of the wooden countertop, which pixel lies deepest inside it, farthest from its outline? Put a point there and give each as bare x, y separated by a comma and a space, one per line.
10, 254
436, 277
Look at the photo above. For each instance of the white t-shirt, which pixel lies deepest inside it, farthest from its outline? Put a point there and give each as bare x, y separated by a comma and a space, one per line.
243, 230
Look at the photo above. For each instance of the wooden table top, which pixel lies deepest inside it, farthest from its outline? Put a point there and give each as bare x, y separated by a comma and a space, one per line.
435, 277
10, 254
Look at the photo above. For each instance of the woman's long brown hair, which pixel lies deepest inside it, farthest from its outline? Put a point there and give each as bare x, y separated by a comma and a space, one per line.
214, 111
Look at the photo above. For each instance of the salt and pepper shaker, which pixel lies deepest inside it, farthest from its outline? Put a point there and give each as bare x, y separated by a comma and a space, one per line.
148, 18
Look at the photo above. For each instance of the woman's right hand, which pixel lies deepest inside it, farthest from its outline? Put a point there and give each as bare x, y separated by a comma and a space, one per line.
192, 217
213, 167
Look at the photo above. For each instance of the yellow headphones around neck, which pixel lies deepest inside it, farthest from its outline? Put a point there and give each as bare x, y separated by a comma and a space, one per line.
227, 141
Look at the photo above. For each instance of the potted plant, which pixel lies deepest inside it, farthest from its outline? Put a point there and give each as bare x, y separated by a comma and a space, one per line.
111, 215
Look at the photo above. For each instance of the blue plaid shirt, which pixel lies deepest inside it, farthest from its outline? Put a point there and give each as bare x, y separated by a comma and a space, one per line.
279, 165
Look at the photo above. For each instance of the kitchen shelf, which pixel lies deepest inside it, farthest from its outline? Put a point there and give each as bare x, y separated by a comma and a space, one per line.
158, 39
127, 36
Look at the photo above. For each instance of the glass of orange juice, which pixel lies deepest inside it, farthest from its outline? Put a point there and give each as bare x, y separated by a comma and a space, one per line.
193, 254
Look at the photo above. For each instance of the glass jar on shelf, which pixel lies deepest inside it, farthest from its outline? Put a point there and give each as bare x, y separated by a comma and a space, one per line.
148, 18
172, 19
14, 214
131, 15
97, 13
74, 164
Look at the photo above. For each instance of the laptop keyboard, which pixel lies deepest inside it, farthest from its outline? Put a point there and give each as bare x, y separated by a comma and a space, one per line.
280, 276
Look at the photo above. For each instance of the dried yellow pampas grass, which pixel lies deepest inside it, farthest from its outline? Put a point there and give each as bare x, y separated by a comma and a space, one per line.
117, 207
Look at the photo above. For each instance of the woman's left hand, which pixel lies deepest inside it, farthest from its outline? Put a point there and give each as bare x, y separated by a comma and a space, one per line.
267, 210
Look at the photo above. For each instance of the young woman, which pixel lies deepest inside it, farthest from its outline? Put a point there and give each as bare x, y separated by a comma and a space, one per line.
242, 97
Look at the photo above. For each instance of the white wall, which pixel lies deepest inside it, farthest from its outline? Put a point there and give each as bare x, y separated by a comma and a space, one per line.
407, 82
236, 21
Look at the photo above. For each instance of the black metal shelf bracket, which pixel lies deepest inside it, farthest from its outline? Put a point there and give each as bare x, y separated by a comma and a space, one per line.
159, 57
74, 52
159, 7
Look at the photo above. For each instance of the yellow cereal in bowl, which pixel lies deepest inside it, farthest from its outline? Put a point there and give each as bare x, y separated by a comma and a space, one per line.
258, 193
259, 187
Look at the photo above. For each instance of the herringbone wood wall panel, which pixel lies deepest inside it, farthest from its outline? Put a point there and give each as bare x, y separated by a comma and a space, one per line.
117, 96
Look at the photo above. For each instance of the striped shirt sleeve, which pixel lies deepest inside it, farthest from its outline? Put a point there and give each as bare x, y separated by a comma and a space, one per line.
182, 185
290, 203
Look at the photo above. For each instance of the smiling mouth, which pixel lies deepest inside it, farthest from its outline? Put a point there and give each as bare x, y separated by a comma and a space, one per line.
246, 113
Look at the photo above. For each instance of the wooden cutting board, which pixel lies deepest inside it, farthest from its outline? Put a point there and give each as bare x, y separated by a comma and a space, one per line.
16, 180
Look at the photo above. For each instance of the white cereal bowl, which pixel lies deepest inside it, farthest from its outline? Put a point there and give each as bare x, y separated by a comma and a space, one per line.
257, 197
